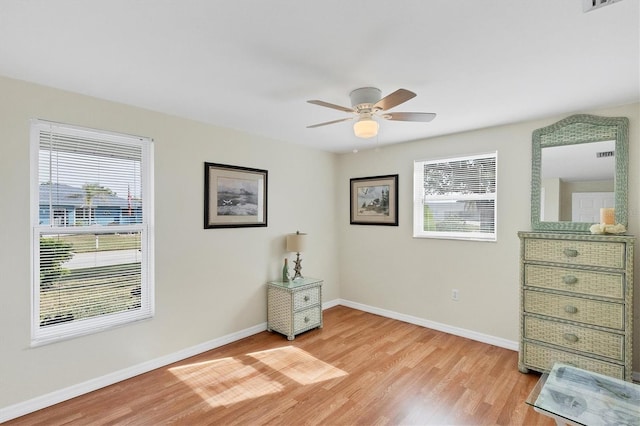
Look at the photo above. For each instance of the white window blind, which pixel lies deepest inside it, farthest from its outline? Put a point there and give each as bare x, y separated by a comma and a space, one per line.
92, 211
456, 197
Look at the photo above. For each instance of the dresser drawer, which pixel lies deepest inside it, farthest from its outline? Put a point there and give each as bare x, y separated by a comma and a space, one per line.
305, 298
591, 253
308, 318
594, 312
582, 339
575, 281
542, 358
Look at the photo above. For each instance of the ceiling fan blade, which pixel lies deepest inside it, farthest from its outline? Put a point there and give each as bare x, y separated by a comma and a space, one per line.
330, 122
328, 105
394, 99
410, 116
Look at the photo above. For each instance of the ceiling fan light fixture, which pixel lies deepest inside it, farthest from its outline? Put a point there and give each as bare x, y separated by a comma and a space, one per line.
367, 105
365, 128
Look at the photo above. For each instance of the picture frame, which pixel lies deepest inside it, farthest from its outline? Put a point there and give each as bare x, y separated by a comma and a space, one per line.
374, 200
234, 196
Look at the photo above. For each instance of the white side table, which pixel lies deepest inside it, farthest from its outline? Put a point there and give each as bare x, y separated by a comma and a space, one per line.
294, 307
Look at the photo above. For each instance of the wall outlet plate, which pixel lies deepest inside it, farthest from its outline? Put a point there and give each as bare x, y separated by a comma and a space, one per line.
454, 294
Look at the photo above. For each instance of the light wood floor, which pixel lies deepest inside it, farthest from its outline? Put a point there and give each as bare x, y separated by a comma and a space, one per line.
360, 369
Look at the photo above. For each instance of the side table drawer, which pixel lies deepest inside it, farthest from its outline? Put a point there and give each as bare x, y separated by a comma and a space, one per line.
594, 312
574, 337
543, 358
305, 298
308, 318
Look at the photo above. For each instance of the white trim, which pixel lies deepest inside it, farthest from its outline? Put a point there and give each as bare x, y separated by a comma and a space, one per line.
38, 403
130, 144
456, 331
114, 136
419, 199
330, 304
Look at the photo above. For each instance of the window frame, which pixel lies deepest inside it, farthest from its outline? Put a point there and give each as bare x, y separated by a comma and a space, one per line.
51, 333
420, 199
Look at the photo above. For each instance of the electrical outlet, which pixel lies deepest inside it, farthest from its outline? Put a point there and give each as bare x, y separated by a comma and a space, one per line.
454, 294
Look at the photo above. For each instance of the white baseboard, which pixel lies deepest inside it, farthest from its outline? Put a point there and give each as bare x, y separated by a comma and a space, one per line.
330, 304
38, 403
484, 338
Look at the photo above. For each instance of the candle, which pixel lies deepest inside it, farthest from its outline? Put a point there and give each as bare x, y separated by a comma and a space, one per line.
608, 216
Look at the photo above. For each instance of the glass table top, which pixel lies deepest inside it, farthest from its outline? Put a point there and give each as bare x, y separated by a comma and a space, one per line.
581, 397
299, 282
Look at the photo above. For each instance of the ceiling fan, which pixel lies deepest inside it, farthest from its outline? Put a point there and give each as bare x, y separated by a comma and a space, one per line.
367, 103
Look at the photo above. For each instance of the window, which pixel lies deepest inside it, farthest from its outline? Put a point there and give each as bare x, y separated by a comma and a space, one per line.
92, 230
456, 198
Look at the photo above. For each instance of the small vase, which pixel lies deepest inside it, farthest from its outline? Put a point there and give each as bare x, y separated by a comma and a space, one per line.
285, 271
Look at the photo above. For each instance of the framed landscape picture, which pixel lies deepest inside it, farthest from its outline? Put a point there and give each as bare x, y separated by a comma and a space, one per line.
234, 196
374, 200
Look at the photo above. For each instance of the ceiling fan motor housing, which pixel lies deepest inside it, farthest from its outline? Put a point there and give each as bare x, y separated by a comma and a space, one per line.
364, 98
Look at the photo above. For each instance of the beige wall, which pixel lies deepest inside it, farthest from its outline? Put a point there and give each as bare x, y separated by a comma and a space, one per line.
209, 283
386, 268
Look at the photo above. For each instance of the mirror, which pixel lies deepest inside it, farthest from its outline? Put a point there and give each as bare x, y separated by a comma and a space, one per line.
579, 166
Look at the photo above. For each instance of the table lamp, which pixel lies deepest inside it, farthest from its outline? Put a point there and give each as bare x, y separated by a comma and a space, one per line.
296, 243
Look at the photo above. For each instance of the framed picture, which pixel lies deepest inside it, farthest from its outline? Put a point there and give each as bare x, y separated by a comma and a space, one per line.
374, 200
234, 197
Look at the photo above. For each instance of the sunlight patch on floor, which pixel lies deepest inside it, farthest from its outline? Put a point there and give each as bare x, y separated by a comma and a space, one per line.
226, 381
298, 365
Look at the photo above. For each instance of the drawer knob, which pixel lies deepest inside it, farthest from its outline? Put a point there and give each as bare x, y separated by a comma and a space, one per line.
306, 298
570, 252
306, 319
569, 279
569, 337
570, 309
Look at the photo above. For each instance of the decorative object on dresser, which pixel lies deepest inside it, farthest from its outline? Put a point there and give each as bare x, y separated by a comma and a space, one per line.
296, 243
576, 302
285, 271
295, 306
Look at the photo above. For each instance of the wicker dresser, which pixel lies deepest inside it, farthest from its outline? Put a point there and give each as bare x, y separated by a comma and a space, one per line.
576, 302
294, 306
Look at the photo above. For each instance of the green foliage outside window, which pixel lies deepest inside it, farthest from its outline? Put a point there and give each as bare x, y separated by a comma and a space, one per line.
53, 253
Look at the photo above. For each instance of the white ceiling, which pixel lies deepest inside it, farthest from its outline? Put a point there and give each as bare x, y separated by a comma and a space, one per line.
253, 64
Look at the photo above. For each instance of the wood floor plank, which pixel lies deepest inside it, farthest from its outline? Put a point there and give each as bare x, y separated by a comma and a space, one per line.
360, 369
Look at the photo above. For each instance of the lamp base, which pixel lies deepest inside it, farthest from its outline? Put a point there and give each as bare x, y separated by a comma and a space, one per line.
298, 267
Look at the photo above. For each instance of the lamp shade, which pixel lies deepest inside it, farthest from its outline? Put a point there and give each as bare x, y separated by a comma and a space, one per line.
296, 242
365, 128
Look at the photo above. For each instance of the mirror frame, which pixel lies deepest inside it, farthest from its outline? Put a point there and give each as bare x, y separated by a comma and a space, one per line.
577, 129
